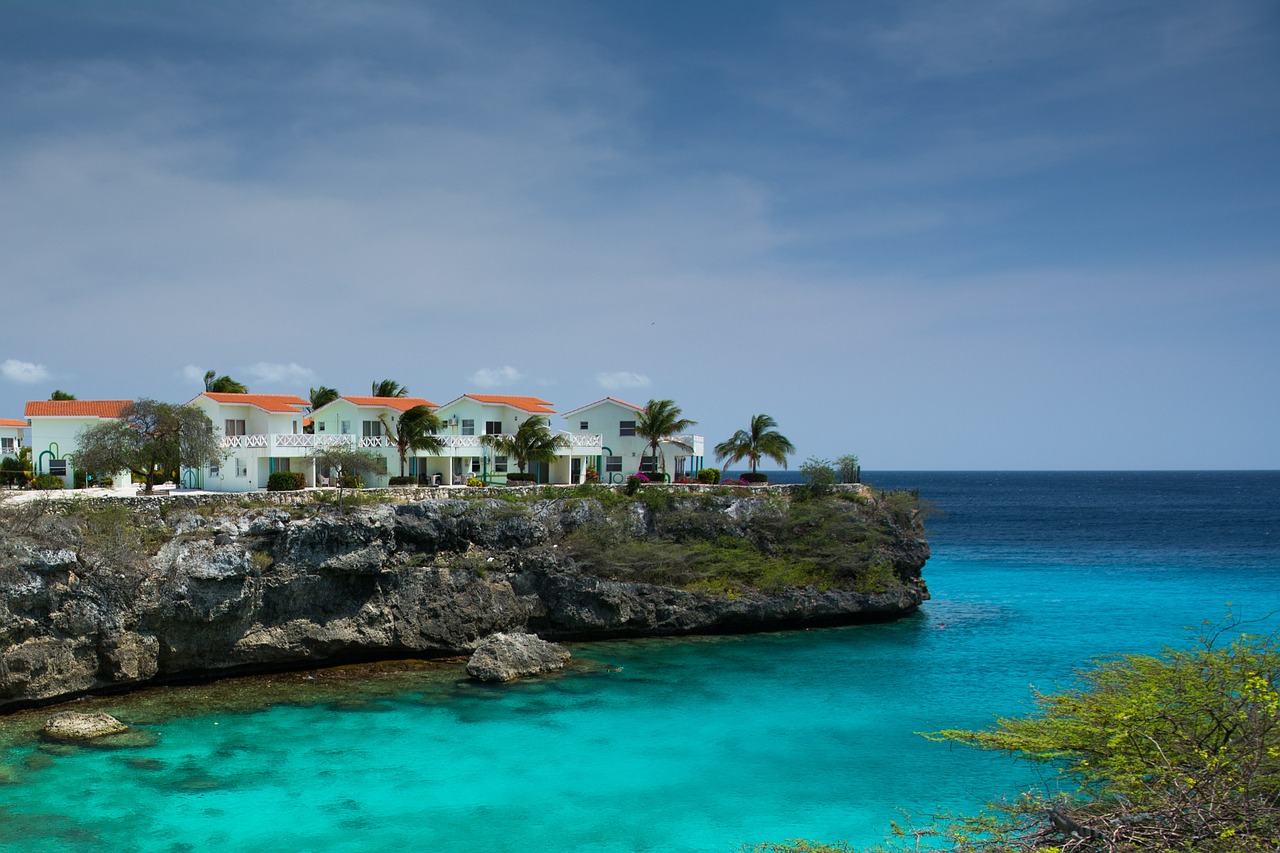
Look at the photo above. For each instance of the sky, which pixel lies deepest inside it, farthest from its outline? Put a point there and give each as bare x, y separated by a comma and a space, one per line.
938, 235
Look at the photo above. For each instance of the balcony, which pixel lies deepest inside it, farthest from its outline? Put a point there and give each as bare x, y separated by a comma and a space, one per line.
298, 444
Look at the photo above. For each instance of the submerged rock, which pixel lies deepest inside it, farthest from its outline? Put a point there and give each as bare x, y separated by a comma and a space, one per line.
73, 725
503, 657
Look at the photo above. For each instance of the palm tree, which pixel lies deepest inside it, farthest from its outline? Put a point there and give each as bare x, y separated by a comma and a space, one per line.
222, 384
389, 388
322, 396
532, 442
414, 430
761, 439
660, 422
59, 394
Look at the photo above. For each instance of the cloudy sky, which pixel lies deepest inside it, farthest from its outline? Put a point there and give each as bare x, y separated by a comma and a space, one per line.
940, 235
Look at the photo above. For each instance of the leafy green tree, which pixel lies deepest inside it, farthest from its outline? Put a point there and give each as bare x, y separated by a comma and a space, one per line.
1175, 753
414, 430
760, 439
389, 388
533, 441
59, 394
149, 439
660, 423
847, 469
345, 461
223, 384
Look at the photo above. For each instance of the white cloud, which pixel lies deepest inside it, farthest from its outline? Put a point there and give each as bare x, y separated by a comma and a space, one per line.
492, 377
281, 374
191, 373
621, 379
23, 371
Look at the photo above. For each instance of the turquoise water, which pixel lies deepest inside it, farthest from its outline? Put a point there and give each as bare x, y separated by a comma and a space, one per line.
695, 745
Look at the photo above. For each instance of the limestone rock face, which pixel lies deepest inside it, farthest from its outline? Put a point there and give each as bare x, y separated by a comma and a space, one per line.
234, 588
72, 725
504, 657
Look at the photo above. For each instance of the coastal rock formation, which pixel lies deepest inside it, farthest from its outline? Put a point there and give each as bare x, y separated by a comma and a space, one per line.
72, 725
505, 657
105, 597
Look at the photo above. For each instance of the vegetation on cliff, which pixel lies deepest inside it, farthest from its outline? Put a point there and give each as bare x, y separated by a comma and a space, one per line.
1176, 753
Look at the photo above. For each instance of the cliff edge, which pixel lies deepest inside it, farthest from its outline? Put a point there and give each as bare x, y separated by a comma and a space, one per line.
103, 595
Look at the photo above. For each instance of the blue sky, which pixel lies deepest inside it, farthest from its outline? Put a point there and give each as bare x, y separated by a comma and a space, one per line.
940, 235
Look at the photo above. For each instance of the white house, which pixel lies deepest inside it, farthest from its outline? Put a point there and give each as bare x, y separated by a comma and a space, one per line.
622, 452
472, 416
363, 422
12, 431
55, 429
260, 434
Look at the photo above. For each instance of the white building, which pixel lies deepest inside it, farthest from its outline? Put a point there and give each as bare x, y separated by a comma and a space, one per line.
363, 422
12, 432
55, 429
622, 452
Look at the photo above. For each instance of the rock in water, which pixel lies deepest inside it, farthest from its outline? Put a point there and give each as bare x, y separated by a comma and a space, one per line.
502, 657
73, 725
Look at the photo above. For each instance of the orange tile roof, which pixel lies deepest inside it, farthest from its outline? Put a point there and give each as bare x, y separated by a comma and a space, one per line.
10, 422
279, 403
400, 404
605, 400
75, 408
529, 404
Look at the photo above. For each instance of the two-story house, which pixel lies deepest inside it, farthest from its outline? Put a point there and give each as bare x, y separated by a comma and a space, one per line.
622, 452
260, 434
55, 429
363, 422
12, 431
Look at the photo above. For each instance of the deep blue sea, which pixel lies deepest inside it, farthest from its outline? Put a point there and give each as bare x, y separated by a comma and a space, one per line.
694, 745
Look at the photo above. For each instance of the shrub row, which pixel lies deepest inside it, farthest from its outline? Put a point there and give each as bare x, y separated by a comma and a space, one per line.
286, 481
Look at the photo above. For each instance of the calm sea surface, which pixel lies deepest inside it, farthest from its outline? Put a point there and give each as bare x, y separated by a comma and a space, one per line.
695, 745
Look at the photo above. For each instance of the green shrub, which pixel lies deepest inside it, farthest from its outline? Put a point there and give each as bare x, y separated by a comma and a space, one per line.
402, 481
658, 477
351, 481
286, 481
709, 476
755, 477
634, 482
47, 482
475, 482
516, 478
592, 475
819, 475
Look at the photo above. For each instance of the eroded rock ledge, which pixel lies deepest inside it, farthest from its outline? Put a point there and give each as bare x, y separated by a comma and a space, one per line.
91, 602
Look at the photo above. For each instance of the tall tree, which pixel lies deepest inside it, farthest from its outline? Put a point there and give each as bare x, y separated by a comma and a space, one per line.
660, 423
414, 430
223, 384
59, 394
345, 461
533, 441
149, 439
761, 439
389, 388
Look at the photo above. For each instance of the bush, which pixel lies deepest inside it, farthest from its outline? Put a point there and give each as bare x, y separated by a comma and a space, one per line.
735, 481
402, 481
848, 470
634, 482
79, 479
516, 478
657, 477
755, 477
475, 482
13, 473
819, 475
286, 481
47, 482
709, 476
351, 481
592, 476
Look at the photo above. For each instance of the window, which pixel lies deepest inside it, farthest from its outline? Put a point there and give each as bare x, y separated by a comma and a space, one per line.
58, 467
499, 464
6, 445
468, 426
320, 426
215, 469
613, 464
241, 469
371, 429
346, 428
626, 427
233, 427
475, 464
646, 465
582, 425
493, 427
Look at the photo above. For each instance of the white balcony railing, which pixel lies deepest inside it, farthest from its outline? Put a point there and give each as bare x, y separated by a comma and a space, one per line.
584, 439
235, 441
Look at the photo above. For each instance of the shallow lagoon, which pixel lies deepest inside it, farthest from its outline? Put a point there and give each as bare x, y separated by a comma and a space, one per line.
695, 745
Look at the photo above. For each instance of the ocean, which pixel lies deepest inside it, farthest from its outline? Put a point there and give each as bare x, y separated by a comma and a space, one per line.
686, 744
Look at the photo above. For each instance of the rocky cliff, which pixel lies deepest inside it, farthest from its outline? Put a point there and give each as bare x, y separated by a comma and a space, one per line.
121, 594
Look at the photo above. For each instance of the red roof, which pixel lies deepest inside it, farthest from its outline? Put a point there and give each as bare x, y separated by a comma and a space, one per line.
400, 404
288, 404
623, 403
10, 422
535, 405
75, 408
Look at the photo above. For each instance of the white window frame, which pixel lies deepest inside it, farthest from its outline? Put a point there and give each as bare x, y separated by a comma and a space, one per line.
493, 427
234, 426
613, 464
242, 470
626, 428
468, 426
499, 464
583, 426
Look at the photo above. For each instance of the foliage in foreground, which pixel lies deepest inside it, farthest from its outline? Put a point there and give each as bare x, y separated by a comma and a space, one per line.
1176, 753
